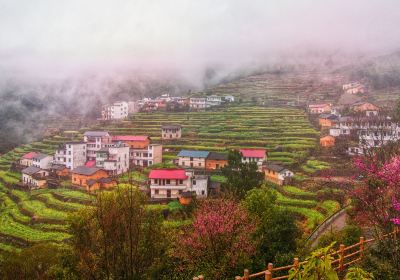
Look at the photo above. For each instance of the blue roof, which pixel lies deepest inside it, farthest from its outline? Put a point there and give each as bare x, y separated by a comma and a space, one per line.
196, 154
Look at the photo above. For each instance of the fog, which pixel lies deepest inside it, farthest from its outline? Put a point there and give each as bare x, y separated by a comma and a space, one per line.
56, 39
65, 57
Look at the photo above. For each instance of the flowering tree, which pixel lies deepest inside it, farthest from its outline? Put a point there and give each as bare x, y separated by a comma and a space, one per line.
373, 197
219, 243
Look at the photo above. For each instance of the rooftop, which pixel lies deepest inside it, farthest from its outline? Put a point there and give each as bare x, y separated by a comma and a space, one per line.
253, 153
168, 174
196, 154
171, 126
130, 138
96, 133
29, 155
31, 170
84, 170
40, 156
217, 156
276, 167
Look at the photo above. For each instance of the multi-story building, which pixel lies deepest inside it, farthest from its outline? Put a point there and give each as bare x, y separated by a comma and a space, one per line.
34, 177
151, 154
214, 100
95, 140
113, 159
171, 183
319, 108
115, 111
71, 154
42, 161
354, 88
192, 159
171, 131
198, 103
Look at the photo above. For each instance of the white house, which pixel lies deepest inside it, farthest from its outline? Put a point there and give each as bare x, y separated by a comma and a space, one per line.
214, 100
229, 98
258, 156
95, 140
171, 183
71, 154
115, 111
42, 161
198, 103
151, 154
113, 159
171, 131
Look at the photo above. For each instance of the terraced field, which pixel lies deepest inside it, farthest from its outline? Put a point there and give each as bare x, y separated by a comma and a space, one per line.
285, 132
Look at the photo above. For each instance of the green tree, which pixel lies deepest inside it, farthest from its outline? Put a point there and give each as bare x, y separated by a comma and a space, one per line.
277, 231
356, 273
241, 177
118, 238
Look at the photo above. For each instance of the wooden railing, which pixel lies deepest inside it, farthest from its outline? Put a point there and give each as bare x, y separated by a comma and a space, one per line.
343, 258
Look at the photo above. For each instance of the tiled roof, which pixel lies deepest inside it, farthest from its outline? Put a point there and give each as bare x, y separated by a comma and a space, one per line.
31, 170
168, 174
171, 126
29, 155
83, 170
217, 156
40, 156
196, 154
253, 153
130, 138
96, 133
275, 167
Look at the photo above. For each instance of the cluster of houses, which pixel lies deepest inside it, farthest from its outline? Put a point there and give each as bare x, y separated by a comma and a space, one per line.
365, 126
96, 161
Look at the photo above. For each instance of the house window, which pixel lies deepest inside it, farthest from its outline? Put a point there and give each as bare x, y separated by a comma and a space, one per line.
181, 182
156, 191
180, 191
168, 182
199, 163
202, 192
194, 182
191, 159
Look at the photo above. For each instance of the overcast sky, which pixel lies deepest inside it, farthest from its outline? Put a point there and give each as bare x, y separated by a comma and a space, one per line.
48, 36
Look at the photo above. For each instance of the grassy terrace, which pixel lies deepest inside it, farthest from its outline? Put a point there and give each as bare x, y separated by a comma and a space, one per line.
285, 132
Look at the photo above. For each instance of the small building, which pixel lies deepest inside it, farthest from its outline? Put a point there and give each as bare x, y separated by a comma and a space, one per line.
229, 98
192, 159
60, 170
319, 108
369, 109
171, 131
172, 183
327, 141
327, 120
95, 140
216, 160
214, 100
168, 183
116, 111
258, 156
334, 131
102, 183
71, 154
113, 159
133, 141
34, 177
354, 88
42, 161
277, 174
198, 103
27, 159
152, 154
82, 174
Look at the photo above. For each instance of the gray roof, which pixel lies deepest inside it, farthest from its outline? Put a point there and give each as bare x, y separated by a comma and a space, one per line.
217, 156
31, 170
196, 154
171, 126
40, 156
96, 133
276, 167
84, 170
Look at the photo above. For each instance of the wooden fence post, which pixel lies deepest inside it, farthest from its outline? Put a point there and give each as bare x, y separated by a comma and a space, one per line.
362, 240
341, 257
270, 268
268, 275
201, 277
195, 278
246, 274
296, 263
238, 278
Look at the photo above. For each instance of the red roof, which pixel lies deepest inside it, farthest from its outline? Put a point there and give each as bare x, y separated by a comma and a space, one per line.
168, 174
90, 163
253, 153
130, 138
29, 155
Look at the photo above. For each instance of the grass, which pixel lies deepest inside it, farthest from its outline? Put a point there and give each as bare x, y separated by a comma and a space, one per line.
312, 216
218, 178
283, 200
294, 191
312, 166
